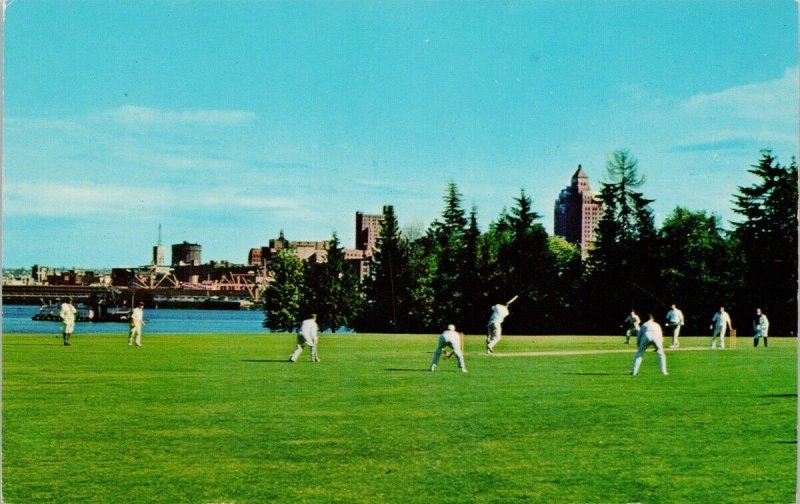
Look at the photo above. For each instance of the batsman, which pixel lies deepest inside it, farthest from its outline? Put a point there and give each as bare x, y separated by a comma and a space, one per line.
495, 329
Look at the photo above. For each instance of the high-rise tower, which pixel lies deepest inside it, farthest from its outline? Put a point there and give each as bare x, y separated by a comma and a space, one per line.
159, 254
577, 212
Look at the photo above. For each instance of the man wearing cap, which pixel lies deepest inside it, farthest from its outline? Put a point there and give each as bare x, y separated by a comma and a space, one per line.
137, 321
67, 313
452, 339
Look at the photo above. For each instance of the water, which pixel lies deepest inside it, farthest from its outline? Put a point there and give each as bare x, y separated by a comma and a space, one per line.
17, 319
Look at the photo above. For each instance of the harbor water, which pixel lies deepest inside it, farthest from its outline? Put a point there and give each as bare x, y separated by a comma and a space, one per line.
17, 319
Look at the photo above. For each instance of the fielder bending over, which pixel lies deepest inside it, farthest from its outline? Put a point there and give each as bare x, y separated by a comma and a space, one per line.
452, 339
307, 335
650, 334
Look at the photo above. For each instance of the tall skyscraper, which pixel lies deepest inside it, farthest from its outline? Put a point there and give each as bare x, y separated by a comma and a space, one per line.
159, 254
577, 212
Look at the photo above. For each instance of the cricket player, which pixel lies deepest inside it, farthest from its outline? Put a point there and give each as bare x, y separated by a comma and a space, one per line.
137, 322
495, 329
761, 328
307, 335
452, 339
67, 313
674, 322
650, 334
632, 324
720, 324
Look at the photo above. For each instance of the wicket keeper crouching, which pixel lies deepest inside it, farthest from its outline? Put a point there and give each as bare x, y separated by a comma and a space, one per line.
450, 339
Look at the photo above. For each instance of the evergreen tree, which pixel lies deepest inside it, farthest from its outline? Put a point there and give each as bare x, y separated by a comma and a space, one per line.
386, 307
475, 303
284, 293
448, 247
768, 244
332, 290
623, 266
521, 267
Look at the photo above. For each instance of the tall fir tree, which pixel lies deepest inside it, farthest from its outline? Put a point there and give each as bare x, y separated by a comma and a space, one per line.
623, 265
284, 295
767, 237
386, 307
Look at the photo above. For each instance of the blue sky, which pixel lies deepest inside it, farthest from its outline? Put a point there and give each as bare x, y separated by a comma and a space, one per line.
228, 121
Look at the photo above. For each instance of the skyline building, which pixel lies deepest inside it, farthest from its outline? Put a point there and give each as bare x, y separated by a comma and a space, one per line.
577, 213
368, 229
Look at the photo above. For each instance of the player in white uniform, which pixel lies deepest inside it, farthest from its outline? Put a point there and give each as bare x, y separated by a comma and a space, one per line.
761, 328
650, 334
631, 323
495, 329
137, 322
452, 339
67, 313
674, 322
307, 335
720, 324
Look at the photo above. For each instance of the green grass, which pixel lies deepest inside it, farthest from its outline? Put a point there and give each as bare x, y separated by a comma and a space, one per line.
221, 418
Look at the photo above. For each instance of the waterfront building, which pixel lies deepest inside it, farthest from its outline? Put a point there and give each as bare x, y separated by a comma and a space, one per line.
186, 254
577, 213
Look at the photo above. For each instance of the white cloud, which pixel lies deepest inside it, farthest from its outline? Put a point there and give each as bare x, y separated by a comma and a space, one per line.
49, 199
766, 100
132, 115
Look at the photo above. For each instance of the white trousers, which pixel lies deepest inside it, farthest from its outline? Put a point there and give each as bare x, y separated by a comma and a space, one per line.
302, 343
676, 331
135, 336
494, 333
455, 344
644, 343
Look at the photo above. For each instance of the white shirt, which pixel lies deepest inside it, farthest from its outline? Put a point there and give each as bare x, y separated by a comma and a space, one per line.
499, 313
137, 316
309, 330
675, 317
761, 324
650, 330
633, 321
68, 312
452, 337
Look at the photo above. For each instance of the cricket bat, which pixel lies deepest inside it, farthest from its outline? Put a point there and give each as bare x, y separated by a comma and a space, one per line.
511, 300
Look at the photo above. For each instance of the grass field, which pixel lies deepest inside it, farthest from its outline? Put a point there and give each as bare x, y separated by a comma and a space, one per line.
224, 419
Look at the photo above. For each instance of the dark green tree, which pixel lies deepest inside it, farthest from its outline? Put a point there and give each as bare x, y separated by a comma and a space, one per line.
332, 289
522, 266
449, 248
283, 297
623, 265
767, 237
697, 261
475, 303
386, 288
564, 286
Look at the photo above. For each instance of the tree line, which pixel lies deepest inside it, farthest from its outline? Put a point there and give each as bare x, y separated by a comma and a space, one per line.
453, 271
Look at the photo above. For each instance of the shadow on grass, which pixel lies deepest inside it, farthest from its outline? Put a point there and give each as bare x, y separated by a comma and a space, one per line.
426, 370
284, 361
792, 396
786, 442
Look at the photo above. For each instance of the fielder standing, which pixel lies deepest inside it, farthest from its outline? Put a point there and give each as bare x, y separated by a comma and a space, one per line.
761, 328
307, 336
137, 322
720, 324
67, 313
632, 324
452, 339
650, 334
674, 322
495, 329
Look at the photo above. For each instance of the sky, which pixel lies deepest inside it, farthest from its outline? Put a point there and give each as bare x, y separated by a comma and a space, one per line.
227, 122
